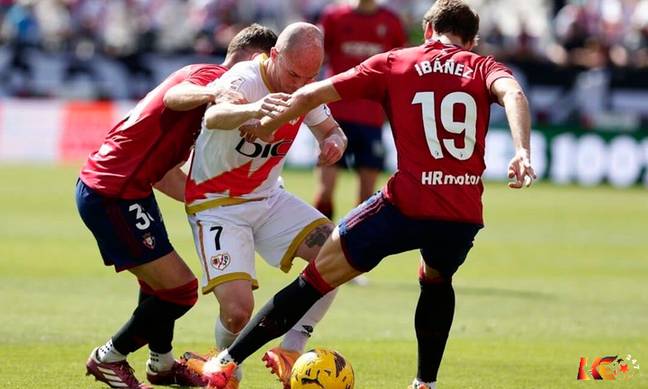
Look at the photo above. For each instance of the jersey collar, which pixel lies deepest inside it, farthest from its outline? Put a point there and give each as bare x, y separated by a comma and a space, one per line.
262, 59
439, 44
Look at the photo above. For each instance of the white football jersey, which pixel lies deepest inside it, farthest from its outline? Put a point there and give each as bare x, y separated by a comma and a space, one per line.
225, 164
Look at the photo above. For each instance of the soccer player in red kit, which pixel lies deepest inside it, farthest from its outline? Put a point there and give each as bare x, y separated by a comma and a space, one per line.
437, 98
353, 33
115, 199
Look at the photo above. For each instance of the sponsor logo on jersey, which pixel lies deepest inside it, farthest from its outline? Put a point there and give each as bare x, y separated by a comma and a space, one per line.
361, 49
221, 261
148, 240
263, 150
436, 177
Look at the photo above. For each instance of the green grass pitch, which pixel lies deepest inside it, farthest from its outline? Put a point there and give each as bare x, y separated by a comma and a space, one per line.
558, 273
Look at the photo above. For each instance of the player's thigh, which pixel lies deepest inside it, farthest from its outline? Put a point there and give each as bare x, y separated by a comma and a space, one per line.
376, 229
292, 228
447, 247
327, 179
225, 248
129, 233
167, 272
332, 263
235, 299
368, 177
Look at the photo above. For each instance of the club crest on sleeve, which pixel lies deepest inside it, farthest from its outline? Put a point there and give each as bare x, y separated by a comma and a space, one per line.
148, 240
221, 261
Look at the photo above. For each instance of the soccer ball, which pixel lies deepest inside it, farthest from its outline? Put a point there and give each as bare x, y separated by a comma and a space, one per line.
321, 369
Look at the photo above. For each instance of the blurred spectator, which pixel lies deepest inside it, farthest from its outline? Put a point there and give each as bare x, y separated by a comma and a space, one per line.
21, 31
119, 48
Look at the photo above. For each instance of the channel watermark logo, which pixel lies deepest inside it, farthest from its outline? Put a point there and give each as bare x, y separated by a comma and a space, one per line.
608, 368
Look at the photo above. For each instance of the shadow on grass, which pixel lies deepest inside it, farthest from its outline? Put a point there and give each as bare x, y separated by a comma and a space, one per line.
510, 293
413, 287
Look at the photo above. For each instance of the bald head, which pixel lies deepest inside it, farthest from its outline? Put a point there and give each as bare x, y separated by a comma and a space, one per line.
298, 54
300, 36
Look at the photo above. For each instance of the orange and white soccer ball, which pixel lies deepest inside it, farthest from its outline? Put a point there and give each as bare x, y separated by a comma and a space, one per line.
322, 369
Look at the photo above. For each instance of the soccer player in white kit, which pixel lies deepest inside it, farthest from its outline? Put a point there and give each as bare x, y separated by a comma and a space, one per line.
235, 202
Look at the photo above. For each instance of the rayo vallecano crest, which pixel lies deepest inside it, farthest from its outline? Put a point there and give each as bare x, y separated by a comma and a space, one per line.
221, 261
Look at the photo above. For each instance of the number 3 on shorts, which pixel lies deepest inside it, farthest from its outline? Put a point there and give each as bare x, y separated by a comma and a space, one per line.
143, 218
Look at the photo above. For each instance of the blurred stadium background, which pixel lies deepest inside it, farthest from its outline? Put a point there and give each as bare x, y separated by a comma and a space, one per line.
70, 68
559, 273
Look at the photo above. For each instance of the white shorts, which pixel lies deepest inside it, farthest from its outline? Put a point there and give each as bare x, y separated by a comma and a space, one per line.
226, 236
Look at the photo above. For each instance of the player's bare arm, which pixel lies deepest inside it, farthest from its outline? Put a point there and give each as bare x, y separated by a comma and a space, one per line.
173, 183
510, 95
331, 139
303, 100
229, 116
187, 96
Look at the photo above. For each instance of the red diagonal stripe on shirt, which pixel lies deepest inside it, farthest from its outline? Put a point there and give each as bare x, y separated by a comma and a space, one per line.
239, 181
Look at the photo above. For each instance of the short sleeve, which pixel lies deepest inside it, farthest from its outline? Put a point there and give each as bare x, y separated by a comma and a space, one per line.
204, 75
239, 79
494, 70
365, 81
317, 115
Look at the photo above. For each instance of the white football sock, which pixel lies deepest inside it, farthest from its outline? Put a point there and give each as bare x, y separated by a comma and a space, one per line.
109, 354
296, 338
214, 364
160, 362
430, 385
224, 337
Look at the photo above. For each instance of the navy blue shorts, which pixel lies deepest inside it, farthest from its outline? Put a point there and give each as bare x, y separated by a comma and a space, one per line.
365, 147
129, 233
376, 229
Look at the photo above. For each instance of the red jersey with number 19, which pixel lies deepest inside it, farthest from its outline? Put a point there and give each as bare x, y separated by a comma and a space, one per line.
437, 98
150, 141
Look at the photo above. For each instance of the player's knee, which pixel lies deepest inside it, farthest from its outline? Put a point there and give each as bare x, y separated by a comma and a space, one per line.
236, 311
431, 276
235, 317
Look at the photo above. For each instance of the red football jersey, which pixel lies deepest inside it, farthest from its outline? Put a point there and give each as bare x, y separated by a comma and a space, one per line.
147, 143
437, 98
351, 37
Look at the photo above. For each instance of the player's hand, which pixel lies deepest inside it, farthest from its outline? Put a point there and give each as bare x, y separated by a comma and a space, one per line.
520, 170
331, 150
251, 133
273, 105
226, 95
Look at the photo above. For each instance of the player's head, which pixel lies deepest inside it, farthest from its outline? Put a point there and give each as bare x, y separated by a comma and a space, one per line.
452, 17
249, 42
297, 57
